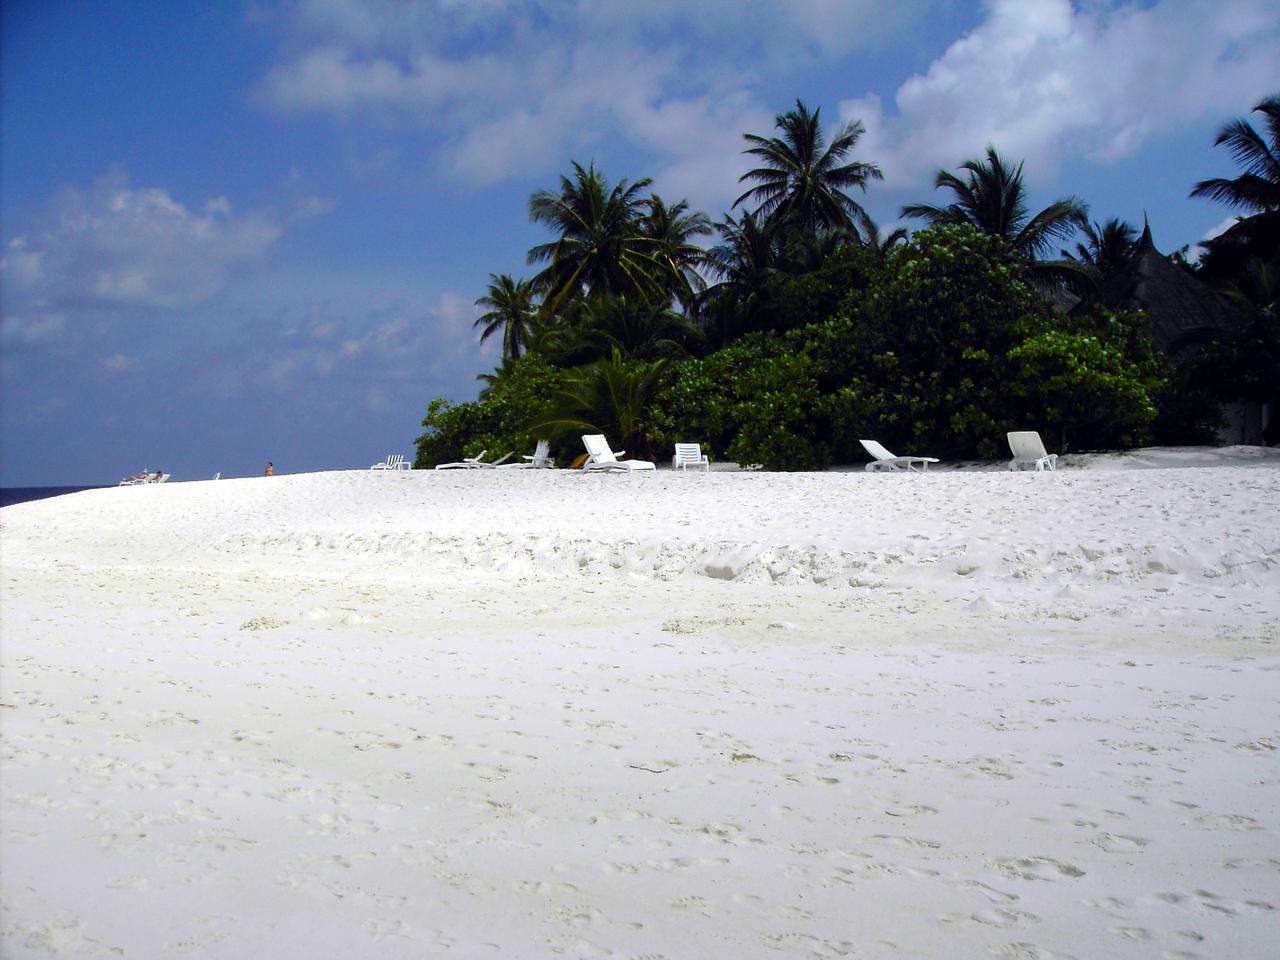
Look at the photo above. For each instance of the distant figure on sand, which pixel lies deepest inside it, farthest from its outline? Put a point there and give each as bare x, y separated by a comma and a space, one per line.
156, 478
271, 470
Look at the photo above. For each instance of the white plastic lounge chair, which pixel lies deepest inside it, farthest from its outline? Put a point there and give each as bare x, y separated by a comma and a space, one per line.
601, 457
394, 461
884, 460
474, 463
689, 455
540, 459
1028, 451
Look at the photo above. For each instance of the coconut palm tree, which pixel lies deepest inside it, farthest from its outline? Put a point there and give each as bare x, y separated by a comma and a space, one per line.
634, 329
749, 263
874, 242
672, 230
608, 396
993, 199
599, 248
1107, 248
802, 178
1257, 190
511, 309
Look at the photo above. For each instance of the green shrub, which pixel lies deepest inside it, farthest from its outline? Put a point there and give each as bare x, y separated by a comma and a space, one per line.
499, 422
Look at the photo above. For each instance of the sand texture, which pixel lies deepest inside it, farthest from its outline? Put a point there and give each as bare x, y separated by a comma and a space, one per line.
536, 714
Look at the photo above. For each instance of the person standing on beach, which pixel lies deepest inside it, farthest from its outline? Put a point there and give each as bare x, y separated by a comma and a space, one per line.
270, 471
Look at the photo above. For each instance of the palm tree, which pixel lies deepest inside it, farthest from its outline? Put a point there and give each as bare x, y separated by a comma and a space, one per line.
672, 230
993, 199
600, 248
608, 396
1258, 188
511, 309
804, 180
877, 244
1257, 191
749, 264
637, 330
1108, 247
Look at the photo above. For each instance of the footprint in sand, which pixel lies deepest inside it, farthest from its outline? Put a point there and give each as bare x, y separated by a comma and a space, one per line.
1029, 951
1118, 843
1034, 868
913, 843
1227, 821
792, 941
1001, 917
991, 893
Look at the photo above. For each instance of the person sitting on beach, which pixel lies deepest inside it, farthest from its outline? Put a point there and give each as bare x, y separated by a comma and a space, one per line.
271, 470
156, 478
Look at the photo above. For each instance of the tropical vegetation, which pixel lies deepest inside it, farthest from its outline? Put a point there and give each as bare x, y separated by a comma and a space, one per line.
792, 327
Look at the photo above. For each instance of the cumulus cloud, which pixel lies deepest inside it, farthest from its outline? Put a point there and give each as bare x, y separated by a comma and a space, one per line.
120, 363
116, 245
329, 352
512, 88
1044, 81
28, 330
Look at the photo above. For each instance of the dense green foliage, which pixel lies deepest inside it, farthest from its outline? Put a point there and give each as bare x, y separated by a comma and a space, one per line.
803, 330
498, 422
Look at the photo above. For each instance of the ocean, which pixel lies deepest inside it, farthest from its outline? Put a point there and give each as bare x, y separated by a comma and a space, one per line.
12, 495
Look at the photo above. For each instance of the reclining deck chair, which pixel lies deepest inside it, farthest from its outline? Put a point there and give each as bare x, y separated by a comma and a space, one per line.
601, 457
540, 458
394, 461
884, 460
474, 463
1028, 451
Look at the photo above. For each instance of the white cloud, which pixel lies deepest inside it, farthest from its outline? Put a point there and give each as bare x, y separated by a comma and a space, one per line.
512, 89
1220, 228
1044, 81
119, 363
117, 245
331, 351
30, 329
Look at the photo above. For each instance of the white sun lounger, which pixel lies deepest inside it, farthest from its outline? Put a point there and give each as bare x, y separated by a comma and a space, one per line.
601, 457
474, 463
1028, 451
394, 461
540, 459
689, 455
884, 460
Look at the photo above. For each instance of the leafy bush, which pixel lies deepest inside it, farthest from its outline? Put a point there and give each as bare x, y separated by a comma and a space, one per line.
919, 359
609, 397
499, 422
1097, 385
755, 402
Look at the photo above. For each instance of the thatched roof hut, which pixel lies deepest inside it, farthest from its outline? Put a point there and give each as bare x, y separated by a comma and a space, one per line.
1182, 309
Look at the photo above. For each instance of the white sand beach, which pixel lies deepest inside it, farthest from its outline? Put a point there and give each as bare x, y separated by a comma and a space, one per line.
967, 713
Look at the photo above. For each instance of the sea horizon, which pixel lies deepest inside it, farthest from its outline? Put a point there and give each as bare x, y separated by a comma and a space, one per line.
12, 495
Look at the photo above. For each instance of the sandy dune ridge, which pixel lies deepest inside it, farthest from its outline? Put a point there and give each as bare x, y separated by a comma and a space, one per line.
533, 714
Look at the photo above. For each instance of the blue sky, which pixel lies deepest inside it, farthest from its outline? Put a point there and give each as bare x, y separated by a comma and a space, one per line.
236, 232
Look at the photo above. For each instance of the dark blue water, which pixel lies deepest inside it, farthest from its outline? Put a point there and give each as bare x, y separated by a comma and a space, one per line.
12, 495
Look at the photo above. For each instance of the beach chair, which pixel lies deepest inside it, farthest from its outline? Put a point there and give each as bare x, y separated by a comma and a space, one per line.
689, 455
540, 459
475, 463
1028, 451
884, 460
394, 461
601, 457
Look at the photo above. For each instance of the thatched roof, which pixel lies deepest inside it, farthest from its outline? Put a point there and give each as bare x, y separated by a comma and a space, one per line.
1183, 310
